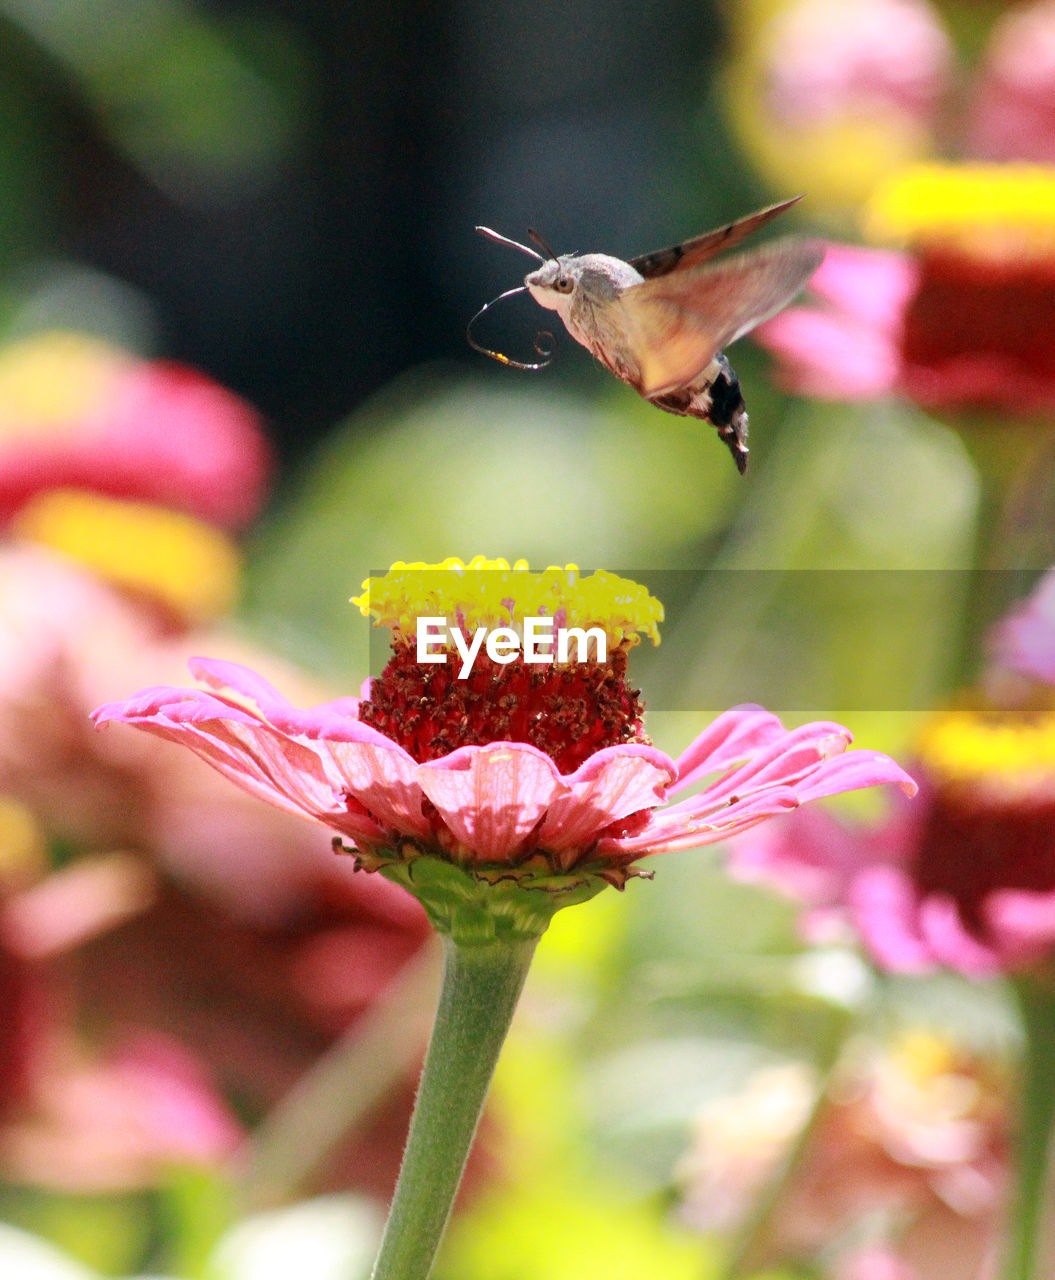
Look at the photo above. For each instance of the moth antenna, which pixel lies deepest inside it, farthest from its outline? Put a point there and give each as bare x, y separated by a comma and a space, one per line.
513, 244
543, 341
534, 236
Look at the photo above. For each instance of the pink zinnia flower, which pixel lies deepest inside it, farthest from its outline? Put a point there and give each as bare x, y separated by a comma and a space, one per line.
831, 96
1012, 112
77, 413
1025, 641
965, 877
526, 777
907, 1147
964, 321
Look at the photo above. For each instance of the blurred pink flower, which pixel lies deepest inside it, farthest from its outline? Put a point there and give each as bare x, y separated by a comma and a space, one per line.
67, 1118
1011, 114
935, 327
827, 96
1025, 641
965, 876
76, 413
501, 801
256, 949
876, 56
118, 1124
907, 1149
818, 860
848, 348
965, 880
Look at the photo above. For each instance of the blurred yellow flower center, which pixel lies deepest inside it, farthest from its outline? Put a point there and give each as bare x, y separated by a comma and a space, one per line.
1011, 755
493, 593
54, 380
187, 566
22, 852
987, 211
922, 1055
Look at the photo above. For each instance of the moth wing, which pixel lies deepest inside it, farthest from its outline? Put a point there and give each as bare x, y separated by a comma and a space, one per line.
676, 324
700, 249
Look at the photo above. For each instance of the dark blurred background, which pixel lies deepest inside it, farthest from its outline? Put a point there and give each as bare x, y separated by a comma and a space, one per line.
294, 186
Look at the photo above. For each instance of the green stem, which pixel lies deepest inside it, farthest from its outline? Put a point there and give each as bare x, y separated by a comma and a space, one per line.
481, 986
1036, 1124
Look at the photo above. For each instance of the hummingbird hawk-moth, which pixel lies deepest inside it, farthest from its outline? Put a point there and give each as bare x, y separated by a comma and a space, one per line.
660, 321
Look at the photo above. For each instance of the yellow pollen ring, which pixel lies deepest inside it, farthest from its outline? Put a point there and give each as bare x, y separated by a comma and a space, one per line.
986, 211
187, 566
493, 593
1015, 755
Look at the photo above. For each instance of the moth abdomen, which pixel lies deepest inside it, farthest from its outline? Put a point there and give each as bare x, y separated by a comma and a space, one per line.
729, 413
716, 398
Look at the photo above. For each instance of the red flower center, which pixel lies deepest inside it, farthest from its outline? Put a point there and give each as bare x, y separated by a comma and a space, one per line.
990, 824
980, 332
569, 711
969, 850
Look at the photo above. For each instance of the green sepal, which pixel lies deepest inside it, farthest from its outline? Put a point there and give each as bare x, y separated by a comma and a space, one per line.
490, 901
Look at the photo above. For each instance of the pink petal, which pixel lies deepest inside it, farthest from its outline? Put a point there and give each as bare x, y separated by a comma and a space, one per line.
383, 778
853, 771
680, 828
232, 677
609, 786
785, 769
885, 910
1025, 640
238, 744
783, 761
321, 762
850, 348
872, 286
1023, 920
831, 357
237, 684
180, 1112
950, 943
812, 856
92, 895
492, 797
733, 737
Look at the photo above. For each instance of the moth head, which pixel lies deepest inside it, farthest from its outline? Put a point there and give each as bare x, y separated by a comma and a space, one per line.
553, 284
593, 277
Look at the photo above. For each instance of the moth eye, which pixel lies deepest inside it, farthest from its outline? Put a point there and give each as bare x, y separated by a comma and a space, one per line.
563, 284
